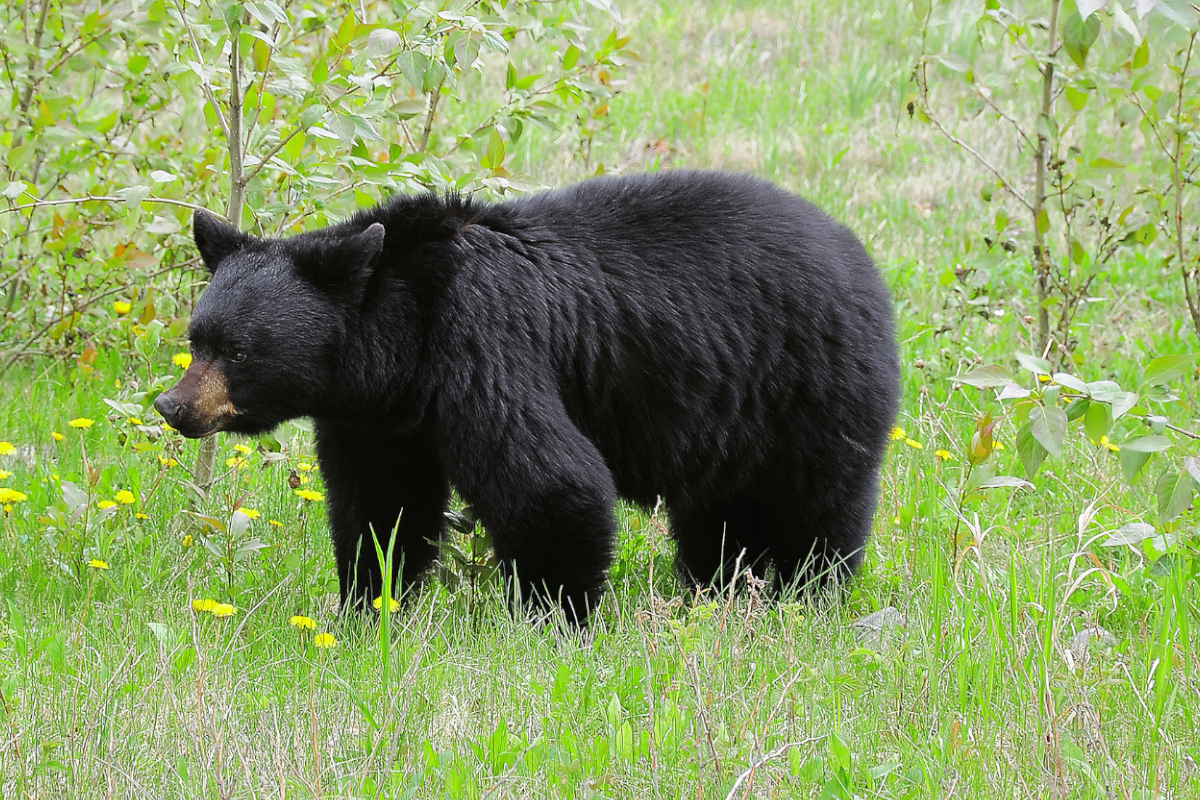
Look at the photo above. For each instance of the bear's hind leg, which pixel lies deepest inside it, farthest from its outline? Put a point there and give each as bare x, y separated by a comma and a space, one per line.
818, 541
374, 479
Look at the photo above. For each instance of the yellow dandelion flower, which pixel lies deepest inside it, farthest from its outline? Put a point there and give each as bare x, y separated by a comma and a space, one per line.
306, 466
81, 422
1105, 443
243, 449
944, 455
393, 606
913, 443
274, 522
125, 497
121, 307
223, 610
6, 448
1043, 378
56, 436
140, 515
324, 640
252, 513
182, 360
166, 426
135, 421
310, 495
96, 563
302, 622
5, 474
9, 496
205, 604
997, 445
106, 504
898, 434
166, 461
188, 540
235, 462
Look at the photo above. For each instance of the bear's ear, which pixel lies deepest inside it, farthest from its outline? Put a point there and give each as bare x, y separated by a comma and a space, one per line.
216, 240
344, 267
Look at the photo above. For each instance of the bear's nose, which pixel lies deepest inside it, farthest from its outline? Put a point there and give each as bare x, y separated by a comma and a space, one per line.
168, 406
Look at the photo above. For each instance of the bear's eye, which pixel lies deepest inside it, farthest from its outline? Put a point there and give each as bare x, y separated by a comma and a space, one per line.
237, 357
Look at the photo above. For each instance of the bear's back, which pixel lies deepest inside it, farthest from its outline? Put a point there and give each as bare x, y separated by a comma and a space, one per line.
706, 324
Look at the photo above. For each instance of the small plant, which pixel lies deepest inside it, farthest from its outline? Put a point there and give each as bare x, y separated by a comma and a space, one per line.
73, 525
229, 540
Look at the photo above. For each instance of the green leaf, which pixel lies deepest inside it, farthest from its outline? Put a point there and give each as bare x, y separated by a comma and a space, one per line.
839, 751
1048, 424
1031, 453
1070, 381
1131, 534
1079, 35
493, 156
990, 375
1005, 482
954, 62
133, 196
413, 65
1077, 408
1175, 491
1141, 56
920, 9
345, 32
1077, 98
1122, 403
1043, 221
1038, 366
570, 58
1181, 12
239, 523
1165, 369
1132, 463
1096, 421
1147, 444
1192, 465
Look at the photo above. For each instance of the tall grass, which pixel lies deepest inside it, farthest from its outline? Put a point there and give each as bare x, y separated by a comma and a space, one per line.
113, 686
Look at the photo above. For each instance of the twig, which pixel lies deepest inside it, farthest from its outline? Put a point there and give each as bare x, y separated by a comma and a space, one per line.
748, 773
1008, 185
94, 198
204, 84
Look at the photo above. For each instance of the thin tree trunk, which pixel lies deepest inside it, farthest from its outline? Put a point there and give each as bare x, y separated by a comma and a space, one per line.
206, 458
1041, 256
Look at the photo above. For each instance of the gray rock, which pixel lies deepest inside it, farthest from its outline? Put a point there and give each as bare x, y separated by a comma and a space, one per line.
876, 629
1082, 643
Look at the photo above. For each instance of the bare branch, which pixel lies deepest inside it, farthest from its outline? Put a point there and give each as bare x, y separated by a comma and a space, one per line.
92, 198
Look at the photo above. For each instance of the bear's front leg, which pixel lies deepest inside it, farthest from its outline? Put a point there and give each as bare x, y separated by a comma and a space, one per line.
374, 478
544, 493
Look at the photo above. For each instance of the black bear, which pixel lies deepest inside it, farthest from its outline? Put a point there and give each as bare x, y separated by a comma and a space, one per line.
703, 338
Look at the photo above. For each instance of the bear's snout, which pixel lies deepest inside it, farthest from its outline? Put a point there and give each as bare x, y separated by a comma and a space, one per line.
199, 404
168, 405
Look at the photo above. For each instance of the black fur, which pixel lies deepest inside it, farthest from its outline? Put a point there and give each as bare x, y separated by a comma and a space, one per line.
702, 337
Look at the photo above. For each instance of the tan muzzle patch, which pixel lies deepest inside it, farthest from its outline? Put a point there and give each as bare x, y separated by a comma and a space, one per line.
201, 399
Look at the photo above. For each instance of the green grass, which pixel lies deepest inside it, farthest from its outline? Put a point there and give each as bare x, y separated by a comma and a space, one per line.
112, 686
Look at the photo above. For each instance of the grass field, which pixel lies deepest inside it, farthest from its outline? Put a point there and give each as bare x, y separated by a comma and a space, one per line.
114, 685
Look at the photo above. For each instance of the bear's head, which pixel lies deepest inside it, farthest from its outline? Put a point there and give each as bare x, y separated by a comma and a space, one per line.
266, 333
